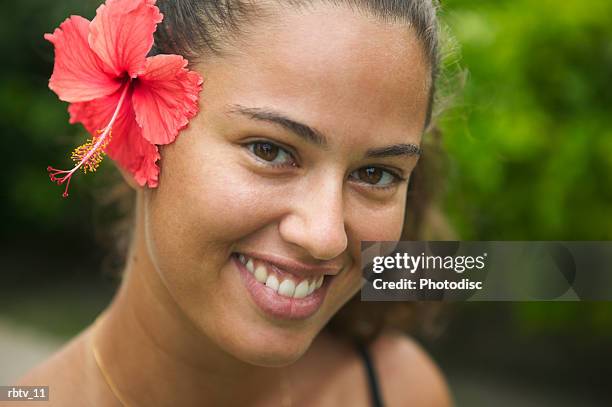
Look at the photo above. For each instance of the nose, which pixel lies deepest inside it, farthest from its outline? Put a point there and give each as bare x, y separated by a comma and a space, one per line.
316, 221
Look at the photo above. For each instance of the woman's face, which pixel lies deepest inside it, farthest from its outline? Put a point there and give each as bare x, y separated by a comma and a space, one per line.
302, 148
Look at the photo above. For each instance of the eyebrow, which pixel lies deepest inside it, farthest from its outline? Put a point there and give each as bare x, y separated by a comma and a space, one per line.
394, 151
314, 136
302, 130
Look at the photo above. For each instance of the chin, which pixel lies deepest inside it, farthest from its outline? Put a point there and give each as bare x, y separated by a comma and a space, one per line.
267, 347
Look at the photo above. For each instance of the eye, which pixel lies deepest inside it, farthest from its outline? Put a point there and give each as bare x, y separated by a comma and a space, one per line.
376, 176
271, 153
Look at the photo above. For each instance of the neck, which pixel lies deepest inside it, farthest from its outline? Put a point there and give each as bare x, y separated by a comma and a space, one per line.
144, 340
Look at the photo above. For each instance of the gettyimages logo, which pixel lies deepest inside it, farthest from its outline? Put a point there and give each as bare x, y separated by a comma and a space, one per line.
486, 271
410, 263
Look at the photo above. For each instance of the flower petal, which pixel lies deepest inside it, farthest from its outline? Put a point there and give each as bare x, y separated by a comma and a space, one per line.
165, 97
78, 73
127, 146
122, 34
132, 152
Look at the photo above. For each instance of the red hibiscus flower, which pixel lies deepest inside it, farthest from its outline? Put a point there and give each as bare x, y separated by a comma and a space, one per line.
128, 102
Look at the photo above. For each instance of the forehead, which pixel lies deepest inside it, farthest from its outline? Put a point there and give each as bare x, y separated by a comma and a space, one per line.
337, 69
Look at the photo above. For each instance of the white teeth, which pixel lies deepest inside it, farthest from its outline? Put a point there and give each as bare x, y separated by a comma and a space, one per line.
261, 274
287, 288
301, 290
250, 266
272, 282
311, 287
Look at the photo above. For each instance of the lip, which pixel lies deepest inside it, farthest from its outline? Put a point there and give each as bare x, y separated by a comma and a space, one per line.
298, 269
278, 306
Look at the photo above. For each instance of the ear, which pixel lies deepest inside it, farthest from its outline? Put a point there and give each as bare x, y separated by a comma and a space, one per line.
128, 178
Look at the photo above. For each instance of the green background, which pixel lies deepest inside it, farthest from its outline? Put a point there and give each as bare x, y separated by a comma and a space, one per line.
527, 97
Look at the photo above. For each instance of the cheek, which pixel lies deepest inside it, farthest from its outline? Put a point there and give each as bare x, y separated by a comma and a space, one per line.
205, 204
376, 224
203, 207
201, 193
365, 223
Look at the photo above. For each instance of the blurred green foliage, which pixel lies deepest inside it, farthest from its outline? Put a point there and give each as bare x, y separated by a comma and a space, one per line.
529, 135
530, 138
34, 126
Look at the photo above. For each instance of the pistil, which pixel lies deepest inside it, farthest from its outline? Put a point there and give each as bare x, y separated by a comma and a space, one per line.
89, 155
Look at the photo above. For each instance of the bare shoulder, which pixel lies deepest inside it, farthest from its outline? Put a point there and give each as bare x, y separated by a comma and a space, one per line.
407, 374
55, 367
67, 373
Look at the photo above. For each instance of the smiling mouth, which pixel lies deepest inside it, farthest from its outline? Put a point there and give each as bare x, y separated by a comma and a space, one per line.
279, 281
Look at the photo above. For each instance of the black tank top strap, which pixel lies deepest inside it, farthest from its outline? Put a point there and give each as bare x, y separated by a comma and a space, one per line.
375, 394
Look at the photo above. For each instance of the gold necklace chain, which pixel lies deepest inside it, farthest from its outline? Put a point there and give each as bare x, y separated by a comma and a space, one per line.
285, 383
98, 360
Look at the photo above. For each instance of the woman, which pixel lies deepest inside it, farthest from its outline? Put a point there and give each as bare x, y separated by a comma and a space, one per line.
309, 126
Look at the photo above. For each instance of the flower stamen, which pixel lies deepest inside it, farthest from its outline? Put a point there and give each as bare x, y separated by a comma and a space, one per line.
89, 155
96, 152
